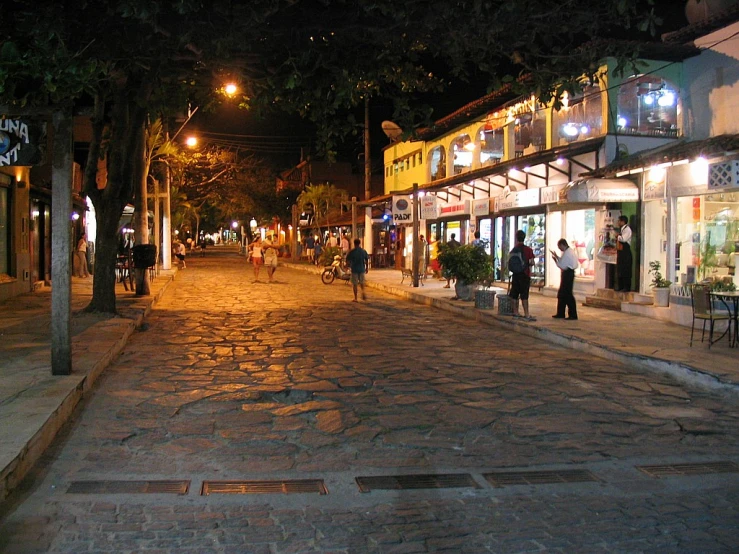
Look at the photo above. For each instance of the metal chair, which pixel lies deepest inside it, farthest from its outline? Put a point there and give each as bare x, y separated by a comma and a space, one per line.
703, 310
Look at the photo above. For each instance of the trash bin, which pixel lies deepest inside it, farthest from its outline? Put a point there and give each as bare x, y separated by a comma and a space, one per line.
484, 299
144, 255
505, 305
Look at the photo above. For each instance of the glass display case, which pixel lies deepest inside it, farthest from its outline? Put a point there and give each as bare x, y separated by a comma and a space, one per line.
533, 226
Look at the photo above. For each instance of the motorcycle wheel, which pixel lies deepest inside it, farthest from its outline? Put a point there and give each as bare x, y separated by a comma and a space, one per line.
328, 276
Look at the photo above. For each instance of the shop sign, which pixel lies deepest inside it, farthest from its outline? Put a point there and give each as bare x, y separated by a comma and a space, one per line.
402, 209
599, 191
550, 194
519, 199
22, 142
429, 209
455, 209
655, 184
481, 207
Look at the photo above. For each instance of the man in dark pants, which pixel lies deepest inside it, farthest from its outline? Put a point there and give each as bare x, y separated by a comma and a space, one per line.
568, 263
624, 258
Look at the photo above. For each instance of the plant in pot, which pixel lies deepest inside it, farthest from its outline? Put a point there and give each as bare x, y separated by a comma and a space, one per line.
660, 285
467, 264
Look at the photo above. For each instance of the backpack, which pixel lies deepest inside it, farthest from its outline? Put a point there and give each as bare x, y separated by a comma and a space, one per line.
516, 261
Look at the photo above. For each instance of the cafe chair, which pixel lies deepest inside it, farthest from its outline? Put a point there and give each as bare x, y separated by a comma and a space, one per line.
703, 310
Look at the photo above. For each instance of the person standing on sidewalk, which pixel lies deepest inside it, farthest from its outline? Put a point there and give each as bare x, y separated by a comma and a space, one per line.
521, 279
624, 259
180, 253
453, 243
81, 253
358, 261
568, 263
310, 244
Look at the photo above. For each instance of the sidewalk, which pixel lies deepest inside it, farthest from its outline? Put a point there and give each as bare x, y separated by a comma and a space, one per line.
640, 342
34, 405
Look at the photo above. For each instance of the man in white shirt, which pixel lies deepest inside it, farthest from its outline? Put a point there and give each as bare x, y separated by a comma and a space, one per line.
568, 263
624, 259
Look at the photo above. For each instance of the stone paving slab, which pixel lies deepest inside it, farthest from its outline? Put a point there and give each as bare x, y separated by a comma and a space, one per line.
34, 404
635, 340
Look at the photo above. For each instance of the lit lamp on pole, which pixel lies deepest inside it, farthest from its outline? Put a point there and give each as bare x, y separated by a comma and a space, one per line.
234, 226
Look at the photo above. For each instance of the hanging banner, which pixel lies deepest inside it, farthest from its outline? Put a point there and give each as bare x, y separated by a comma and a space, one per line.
428, 207
402, 210
22, 142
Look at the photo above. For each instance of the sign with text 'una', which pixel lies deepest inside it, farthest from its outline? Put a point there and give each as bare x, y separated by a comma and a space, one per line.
22, 142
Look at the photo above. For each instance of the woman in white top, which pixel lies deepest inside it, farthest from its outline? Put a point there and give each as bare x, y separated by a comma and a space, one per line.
257, 257
81, 253
269, 249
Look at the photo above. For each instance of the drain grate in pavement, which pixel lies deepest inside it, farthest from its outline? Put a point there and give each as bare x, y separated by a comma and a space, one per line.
506, 478
296, 486
676, 470
428, 481
128, 487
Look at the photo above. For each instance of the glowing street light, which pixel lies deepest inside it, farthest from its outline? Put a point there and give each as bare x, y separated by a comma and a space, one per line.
191, 141
230, 89
235, 224
253, 224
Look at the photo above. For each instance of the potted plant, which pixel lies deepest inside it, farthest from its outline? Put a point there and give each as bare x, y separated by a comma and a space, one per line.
467, 264
660, 285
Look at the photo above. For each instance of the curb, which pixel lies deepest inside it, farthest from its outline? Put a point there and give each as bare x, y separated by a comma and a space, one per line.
88, 370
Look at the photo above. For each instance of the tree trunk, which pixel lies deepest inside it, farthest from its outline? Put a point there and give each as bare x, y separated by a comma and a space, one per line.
126, 124
141, 205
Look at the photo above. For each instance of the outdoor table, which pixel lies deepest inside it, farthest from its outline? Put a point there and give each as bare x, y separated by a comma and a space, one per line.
732, 297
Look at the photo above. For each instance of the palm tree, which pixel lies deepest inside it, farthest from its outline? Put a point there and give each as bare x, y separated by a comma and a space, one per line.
325, 199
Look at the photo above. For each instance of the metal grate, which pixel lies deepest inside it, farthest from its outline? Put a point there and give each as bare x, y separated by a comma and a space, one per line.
129, 487
428, 481
676, 470
506, 478
296, 486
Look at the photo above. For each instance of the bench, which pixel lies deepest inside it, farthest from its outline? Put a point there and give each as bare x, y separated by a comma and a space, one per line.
408, 273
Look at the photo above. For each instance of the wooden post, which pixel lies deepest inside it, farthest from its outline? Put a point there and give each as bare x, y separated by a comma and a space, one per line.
61, 244
354, 219
166, 222
295, 237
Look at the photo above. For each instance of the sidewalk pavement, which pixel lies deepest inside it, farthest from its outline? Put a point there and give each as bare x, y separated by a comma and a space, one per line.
34, 405
637, 341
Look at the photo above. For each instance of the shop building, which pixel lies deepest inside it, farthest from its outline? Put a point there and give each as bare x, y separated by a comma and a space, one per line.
504, 163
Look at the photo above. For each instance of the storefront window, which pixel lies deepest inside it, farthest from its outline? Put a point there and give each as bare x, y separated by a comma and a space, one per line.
437, 163
580, 118
707, 236
648, 105
462, 151
580, 235
4, 234
655, 239
533, 226
485, 226
491, 145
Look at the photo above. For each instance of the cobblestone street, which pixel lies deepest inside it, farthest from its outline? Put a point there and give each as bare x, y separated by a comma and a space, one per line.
235, 380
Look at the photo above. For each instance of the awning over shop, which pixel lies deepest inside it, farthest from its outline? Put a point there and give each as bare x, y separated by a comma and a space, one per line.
599, 191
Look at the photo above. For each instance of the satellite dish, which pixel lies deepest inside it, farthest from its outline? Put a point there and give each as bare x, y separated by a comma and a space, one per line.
392, 130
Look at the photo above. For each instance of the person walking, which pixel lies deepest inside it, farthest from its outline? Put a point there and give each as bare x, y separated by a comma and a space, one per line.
344, 245
358, 261
568, 263
624, 259
81, 253
521, 275
257, 257
310, 244
270, 251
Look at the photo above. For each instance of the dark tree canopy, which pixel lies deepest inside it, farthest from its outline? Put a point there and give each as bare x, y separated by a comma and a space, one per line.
130, 61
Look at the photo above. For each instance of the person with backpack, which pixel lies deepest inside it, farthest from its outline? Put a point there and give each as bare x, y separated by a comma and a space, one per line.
520, 261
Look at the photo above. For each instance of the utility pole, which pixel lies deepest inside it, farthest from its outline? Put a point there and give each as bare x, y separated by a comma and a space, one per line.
367, 179
61, 244
415, 236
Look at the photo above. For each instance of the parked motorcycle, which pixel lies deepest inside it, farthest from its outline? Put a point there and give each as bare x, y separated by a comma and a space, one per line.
335, 271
